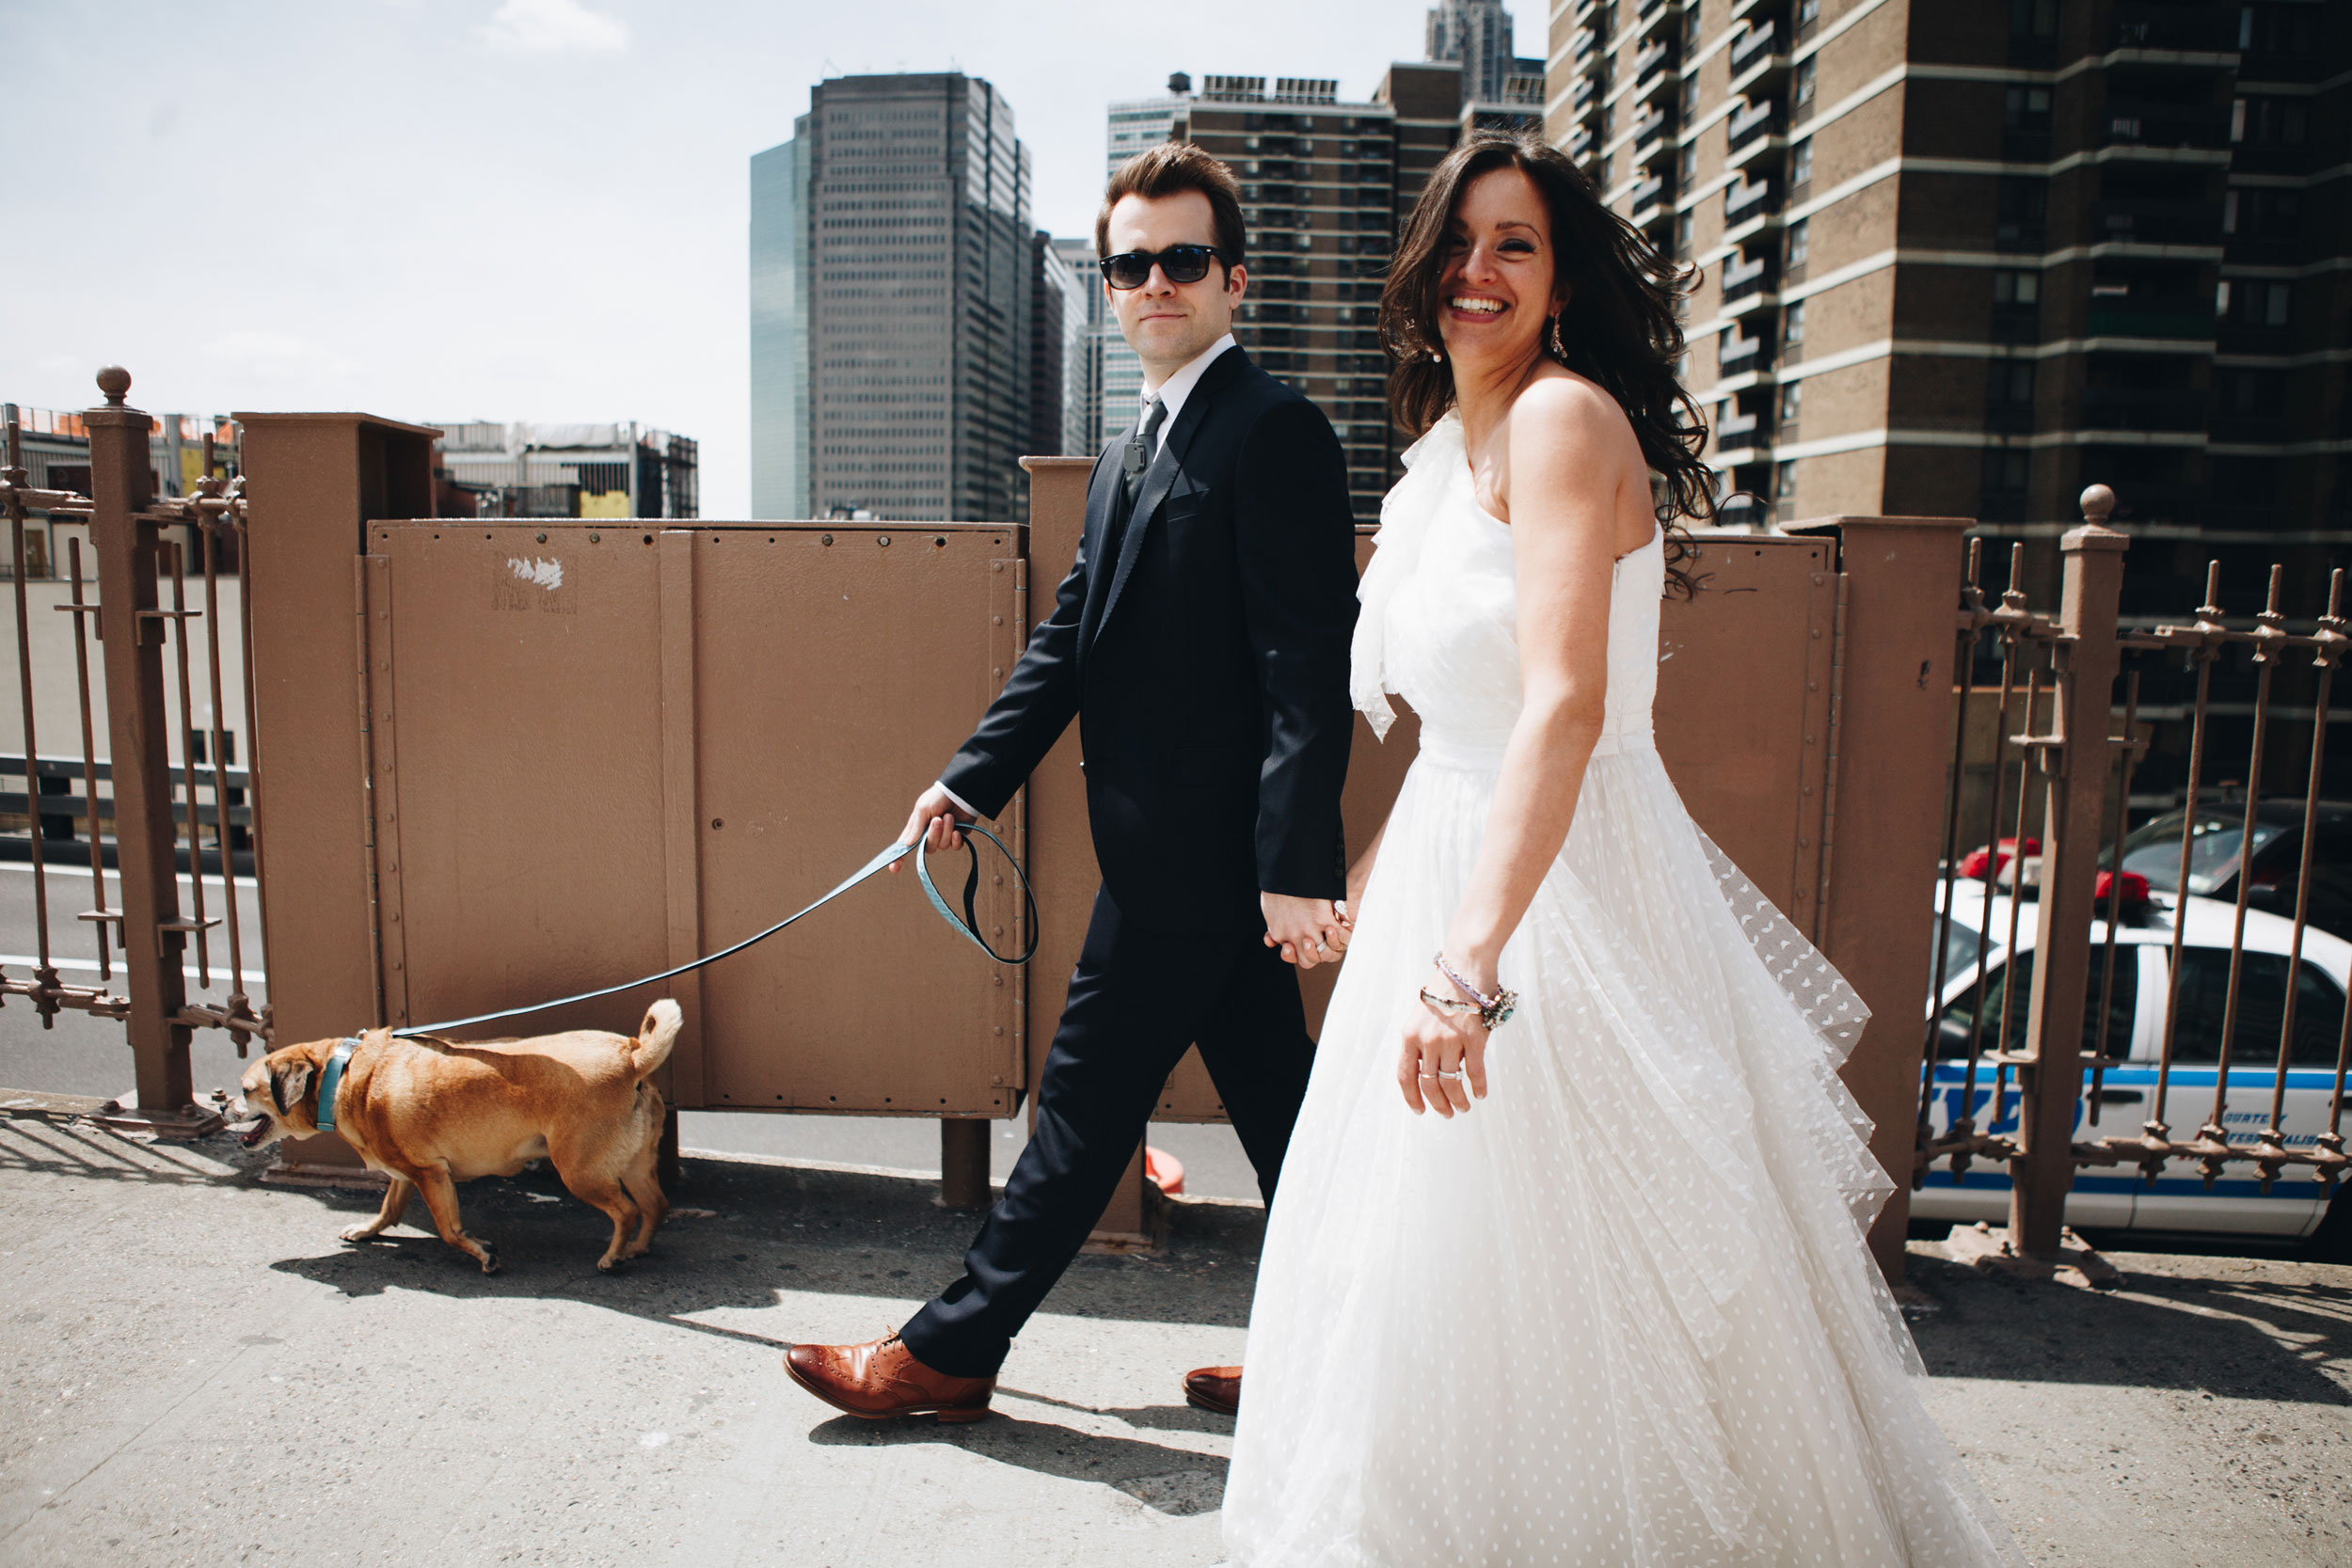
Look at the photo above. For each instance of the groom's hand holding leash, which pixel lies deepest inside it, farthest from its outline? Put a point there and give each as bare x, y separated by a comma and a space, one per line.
1309, 931
936, 817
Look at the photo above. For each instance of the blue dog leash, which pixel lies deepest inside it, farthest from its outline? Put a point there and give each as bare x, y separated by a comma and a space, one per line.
968, 923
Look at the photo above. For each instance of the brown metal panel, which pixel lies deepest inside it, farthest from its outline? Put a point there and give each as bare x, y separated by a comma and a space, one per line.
673, 559
312, 483
1895, 713
836, 667
1741, 716
376, 698
308, 502
527, 801
1061, 851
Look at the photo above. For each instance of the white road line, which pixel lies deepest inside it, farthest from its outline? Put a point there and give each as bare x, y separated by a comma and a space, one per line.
20, 960
55, 869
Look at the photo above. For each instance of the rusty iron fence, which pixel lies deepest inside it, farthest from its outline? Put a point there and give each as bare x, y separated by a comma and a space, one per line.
2109, 964
165, 769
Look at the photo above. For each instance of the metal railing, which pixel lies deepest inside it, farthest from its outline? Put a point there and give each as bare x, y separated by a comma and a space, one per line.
2072, 782
168, 769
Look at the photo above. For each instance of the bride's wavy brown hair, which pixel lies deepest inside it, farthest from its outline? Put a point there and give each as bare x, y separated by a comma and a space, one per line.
1618, 327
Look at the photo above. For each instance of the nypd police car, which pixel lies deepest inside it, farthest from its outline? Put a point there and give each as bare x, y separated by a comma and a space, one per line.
2118, 1197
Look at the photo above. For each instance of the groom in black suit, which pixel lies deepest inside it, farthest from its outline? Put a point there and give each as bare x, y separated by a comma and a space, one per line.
1201, 642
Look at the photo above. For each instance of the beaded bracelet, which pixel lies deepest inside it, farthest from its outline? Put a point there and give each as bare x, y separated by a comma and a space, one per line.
1493, 1011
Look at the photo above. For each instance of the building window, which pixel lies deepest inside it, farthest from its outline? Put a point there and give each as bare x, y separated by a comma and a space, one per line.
1685, 233
1686, 164
2016, 288
2023, 208
1791, 403
1793, 325
2034, 19
1800, 161
1801, 91
1690, 29
1800, 242
1783, 481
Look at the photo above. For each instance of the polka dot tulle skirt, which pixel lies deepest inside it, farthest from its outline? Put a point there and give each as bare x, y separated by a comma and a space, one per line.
1622, 1315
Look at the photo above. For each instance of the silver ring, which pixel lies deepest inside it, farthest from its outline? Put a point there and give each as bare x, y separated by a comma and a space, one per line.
1319, 947
1460, 1072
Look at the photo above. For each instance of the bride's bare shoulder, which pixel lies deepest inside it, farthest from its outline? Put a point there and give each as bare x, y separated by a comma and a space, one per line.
1564, 430
1564, 406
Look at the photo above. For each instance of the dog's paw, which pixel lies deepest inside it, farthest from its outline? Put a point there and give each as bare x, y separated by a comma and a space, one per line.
489, 1258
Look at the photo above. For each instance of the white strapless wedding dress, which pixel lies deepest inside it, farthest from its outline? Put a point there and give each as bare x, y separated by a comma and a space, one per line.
1622, 1314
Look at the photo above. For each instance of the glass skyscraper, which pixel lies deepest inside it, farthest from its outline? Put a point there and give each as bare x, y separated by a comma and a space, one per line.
890, 277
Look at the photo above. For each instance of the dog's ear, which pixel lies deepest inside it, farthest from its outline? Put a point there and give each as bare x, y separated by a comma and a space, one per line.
289, 1081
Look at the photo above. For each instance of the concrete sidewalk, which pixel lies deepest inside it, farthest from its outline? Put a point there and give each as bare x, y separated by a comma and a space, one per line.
196, 1371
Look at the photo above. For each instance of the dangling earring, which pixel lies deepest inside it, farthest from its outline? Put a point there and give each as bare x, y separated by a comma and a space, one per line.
1558, 351
1436, 358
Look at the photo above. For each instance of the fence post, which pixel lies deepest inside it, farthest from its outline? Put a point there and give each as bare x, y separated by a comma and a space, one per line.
132, 634
2076, 758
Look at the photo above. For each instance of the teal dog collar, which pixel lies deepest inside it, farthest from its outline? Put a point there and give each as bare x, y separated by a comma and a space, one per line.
332, 1079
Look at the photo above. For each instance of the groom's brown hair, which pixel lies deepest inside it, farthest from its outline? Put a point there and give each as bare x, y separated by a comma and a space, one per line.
1168, 169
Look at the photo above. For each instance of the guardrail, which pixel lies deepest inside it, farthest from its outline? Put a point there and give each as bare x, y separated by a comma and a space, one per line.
136, 603
2065, 672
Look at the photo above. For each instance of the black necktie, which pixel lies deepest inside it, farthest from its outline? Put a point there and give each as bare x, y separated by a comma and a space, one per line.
1142, 447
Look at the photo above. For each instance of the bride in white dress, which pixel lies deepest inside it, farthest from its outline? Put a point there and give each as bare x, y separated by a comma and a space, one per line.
1590, 1288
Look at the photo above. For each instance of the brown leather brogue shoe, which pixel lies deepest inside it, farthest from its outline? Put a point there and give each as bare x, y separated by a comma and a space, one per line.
1215, 1388
881, 1379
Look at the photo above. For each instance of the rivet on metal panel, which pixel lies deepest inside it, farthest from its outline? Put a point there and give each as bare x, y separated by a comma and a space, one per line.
998, 671
1813, 686
941, 541
1809, 740
826, 540
543, 539
1817, 579
1816, 631
997, 1030
996, 619
995, 565
882, 539
596, 538
717, 823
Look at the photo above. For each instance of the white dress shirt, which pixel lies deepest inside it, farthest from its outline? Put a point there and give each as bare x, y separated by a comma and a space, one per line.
1173, 391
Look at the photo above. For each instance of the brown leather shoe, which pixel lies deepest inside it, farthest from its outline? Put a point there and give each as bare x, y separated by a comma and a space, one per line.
1215, 1388
881, 1379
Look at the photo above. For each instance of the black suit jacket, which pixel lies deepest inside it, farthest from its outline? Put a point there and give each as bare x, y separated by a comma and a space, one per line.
1207, 665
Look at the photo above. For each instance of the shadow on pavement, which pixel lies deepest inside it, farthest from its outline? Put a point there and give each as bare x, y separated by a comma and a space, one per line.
1177, 1481
2175, 1323
762, 1229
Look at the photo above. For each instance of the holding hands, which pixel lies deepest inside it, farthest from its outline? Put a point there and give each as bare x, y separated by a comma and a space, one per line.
1309, 931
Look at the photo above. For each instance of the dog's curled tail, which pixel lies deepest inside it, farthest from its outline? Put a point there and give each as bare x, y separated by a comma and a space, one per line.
655, 1037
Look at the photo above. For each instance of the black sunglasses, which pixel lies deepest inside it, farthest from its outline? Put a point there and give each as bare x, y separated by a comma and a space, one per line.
1183, 264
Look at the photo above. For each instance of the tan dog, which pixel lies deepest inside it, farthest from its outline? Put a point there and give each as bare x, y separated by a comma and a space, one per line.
431, 1113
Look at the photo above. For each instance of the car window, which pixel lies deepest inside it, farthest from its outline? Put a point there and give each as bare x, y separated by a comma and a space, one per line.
2123, 1006
2331, 882
1959, 951
2155, 850
2261, 1010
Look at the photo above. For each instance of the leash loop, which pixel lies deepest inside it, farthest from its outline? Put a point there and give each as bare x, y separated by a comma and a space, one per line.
967, 924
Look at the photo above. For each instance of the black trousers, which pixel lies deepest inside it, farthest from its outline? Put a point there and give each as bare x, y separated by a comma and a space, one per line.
1137, 1000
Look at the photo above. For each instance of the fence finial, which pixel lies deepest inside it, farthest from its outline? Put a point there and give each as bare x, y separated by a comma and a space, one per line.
2098, 503
115, 383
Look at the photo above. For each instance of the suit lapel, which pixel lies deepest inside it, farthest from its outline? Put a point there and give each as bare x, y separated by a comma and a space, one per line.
1102, 496
1161, 476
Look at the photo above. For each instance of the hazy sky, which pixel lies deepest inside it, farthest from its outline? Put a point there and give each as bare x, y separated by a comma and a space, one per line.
509, 209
